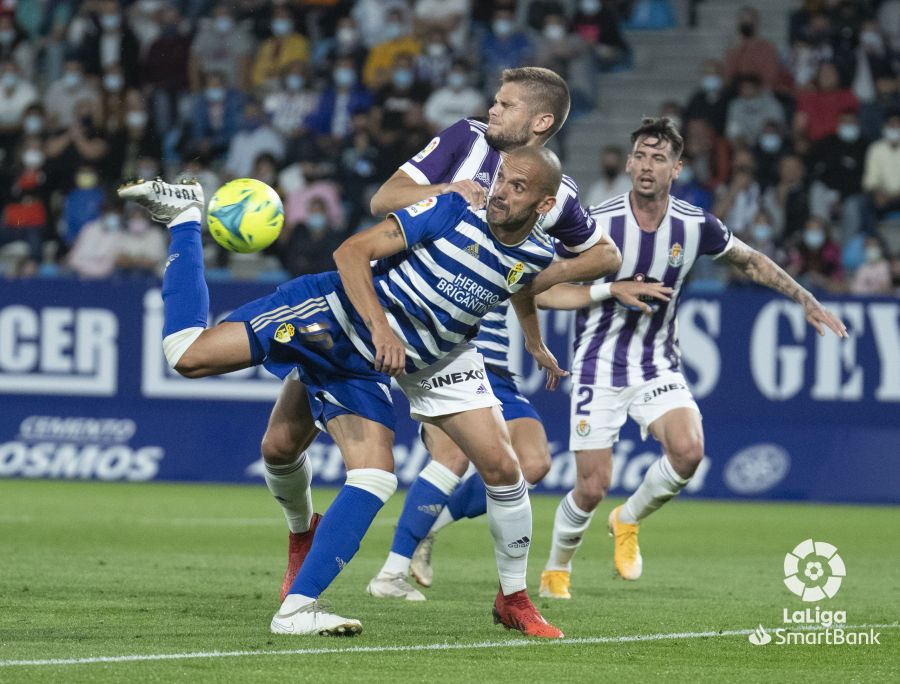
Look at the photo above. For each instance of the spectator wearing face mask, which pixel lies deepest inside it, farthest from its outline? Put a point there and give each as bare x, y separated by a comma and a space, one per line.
381, 20
838, 162
142, 246
771, 145
96, 248
130, 142
112, 43
504, 46
82, 204
613, 180
80, 143
165, 69
62, 94
763, 238
402, 97
16, 95
881, 179
750, 110
288, 105
215, 117
819, 109
434, 62
307, 246
873, 277
340, 101
283, 47
738, 201
24, 215
815, 259
456, 100
398, 40
256, 137
359, 169
710, 101
752, 54
346, 43
687, 186
222, 45
16, 47
566, 53
873, 60
450, 17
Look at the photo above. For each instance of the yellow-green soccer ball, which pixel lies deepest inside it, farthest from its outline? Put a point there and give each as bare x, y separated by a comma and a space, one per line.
245, 215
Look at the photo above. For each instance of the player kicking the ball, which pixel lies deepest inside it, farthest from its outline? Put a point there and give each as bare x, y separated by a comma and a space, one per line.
627, 359
347, 332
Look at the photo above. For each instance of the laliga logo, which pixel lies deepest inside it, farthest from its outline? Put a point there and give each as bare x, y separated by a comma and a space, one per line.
814, 570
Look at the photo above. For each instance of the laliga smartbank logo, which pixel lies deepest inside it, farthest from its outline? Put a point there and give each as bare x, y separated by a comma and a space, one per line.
813, 571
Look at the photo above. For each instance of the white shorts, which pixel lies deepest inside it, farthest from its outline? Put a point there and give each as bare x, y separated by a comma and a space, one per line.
457, 382
599, 412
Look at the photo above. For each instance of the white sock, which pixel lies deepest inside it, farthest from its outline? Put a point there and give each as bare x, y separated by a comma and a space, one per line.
509, 519
660, 484
293, 602
189, 214
444, 518
569, 527
395, 565
289, 485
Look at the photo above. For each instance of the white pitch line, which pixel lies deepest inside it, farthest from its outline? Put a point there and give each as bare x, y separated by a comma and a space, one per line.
513, 643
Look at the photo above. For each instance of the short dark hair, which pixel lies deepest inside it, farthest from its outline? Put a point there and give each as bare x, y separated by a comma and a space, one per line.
662, 128
547, 92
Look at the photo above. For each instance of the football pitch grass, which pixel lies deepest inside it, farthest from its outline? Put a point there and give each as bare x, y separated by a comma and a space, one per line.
135, 582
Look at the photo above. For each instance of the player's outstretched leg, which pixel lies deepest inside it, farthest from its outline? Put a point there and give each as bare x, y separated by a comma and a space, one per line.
426, 498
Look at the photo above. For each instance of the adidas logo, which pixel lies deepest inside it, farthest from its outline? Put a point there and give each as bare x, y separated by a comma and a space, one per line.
433, 510
481, 389
521, 543
472, 249
340, 562
483, 177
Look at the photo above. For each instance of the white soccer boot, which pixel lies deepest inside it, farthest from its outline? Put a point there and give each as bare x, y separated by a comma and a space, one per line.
312, 618
164, 200
389, 585
420, 565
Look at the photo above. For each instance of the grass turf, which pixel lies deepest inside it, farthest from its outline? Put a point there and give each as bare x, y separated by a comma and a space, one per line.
94, 569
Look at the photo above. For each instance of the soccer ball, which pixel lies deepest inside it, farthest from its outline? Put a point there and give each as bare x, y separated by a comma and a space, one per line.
245, 215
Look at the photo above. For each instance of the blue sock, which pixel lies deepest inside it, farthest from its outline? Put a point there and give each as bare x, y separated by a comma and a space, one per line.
184, 291
337, 539
424, 502
469, 500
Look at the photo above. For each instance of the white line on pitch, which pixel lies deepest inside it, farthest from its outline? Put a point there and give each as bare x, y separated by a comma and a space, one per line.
513, 643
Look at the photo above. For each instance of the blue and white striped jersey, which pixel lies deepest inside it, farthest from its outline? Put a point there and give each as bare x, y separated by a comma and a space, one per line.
461, 152
617, 347
453, 273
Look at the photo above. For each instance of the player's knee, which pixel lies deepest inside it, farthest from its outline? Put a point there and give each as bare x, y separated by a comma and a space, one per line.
535, 463
590, 489
500, 471
685, 454
276, 450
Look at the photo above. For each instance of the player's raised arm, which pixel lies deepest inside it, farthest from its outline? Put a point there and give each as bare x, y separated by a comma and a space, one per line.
353, 260
762, 270
400, 191
526, 312
568, 297
599, 260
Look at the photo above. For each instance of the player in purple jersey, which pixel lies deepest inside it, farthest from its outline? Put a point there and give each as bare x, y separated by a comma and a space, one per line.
530, 106
627, 360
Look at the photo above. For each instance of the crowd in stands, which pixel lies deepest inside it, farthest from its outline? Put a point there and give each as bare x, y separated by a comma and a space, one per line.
797, 147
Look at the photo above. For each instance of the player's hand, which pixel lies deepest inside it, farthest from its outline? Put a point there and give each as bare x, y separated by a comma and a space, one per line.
629, 292
390, 354
544, 359
818, 316
474, 193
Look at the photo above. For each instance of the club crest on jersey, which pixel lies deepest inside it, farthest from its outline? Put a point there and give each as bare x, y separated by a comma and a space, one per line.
582, 428
428, 149
284, 333
421, 206
515, 273
676, 255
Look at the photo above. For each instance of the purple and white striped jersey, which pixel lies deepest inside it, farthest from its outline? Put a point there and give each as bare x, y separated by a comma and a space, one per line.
615, 346
460, 152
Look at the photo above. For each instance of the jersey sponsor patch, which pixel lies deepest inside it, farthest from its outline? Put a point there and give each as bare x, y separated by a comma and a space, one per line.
428, 149
515, 273
421, 206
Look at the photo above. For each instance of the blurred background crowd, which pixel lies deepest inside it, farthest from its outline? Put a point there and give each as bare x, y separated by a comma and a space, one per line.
796, 146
